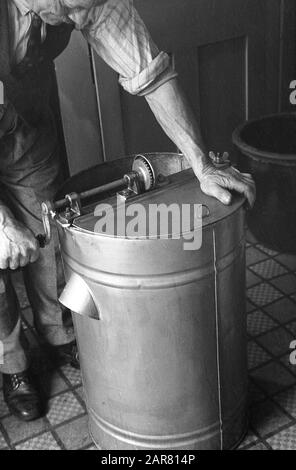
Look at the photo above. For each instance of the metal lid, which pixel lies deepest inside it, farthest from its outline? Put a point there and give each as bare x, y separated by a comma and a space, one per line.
178, 195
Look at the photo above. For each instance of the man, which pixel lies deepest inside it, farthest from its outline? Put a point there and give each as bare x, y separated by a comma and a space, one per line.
32, 34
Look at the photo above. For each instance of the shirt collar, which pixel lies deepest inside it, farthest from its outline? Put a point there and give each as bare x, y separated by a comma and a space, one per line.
23, 6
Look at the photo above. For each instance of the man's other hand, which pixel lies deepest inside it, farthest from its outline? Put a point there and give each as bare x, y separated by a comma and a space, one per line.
218, 183
18, 246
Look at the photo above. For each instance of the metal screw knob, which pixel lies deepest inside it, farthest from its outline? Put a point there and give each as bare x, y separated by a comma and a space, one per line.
220, 161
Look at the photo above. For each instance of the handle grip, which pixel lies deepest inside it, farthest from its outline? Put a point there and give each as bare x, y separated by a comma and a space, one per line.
42, 240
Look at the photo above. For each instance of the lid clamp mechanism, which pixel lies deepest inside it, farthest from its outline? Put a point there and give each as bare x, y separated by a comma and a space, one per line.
220, 161
133, 188
72, 209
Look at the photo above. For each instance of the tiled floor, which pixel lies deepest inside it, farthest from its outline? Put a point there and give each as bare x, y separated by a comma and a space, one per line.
271, 320
271, 307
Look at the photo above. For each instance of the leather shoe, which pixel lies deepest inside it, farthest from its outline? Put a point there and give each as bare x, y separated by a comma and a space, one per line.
21, 396
65, 354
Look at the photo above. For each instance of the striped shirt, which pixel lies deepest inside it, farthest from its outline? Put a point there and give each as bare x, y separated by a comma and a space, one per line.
115, 31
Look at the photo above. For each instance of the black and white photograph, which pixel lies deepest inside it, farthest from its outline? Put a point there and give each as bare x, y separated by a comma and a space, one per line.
148, 228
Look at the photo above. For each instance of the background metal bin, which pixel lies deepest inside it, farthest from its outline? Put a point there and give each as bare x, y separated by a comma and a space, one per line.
268, 148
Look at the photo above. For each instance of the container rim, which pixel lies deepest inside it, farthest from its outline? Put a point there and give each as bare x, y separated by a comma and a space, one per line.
237, 204
257, 154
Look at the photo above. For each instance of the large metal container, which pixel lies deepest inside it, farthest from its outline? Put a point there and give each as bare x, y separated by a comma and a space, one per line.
268, 151
161, 330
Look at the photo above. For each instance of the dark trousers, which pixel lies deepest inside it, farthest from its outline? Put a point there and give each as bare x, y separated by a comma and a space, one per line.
30, 174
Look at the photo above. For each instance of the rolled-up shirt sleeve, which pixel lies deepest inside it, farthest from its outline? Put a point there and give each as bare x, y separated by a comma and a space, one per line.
118, 34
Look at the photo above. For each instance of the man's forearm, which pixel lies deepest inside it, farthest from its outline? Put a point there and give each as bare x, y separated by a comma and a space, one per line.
175, 116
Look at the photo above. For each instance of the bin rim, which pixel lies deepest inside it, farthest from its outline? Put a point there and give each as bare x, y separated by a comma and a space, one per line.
256, 154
